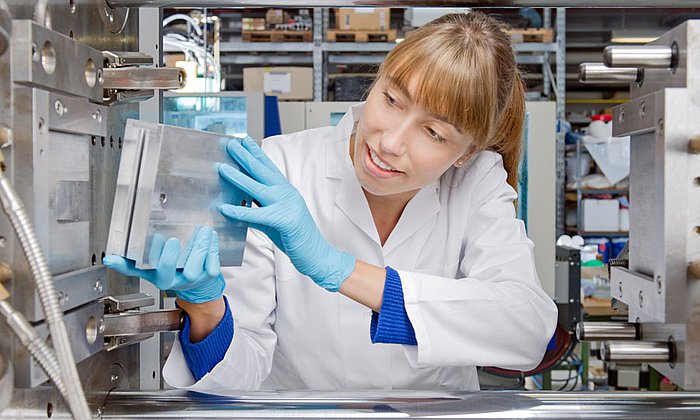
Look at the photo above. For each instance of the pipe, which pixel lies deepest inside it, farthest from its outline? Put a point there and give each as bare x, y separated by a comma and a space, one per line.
598, 331
13, 207
396, 3
180, 16
34, 345
600, 73
643, 56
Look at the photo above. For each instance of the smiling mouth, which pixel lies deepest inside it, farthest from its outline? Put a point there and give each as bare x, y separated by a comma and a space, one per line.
377, 161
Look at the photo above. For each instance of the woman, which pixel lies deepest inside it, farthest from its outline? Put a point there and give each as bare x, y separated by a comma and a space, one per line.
403, 212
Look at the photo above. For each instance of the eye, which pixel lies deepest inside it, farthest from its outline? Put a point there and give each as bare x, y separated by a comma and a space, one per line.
434, 134
389, 99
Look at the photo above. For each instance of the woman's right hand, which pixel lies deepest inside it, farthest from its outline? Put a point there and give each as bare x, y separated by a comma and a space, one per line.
199, 281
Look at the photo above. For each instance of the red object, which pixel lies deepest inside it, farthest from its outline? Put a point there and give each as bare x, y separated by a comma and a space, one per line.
603, 117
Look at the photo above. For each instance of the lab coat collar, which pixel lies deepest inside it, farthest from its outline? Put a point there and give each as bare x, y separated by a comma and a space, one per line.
351, 200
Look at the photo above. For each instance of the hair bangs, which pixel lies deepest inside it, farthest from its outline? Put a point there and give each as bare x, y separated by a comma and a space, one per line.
450, 82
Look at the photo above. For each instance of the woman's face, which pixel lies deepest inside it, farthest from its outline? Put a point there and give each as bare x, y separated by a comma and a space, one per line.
399, 147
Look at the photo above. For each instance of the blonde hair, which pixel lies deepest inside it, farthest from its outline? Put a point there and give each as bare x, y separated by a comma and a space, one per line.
462, 67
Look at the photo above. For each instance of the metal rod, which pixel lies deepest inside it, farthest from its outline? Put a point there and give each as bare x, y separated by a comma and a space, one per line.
386, 3
644, 56
598, 331
637, 352
599, 73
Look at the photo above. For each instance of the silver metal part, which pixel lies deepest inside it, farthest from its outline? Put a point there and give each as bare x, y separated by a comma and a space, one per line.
114, 304
46, 59
126, 58
598, 331
5, 29
138, 78
637, 352
600, 73
654, 56
137, 323
7, 378
166, 188
395, 3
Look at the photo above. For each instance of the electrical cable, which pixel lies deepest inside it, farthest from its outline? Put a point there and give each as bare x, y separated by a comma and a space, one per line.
181, 16
14, 209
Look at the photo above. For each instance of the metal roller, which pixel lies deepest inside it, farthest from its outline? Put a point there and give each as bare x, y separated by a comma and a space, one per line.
637, 352
599, 331
642, 56
599, 73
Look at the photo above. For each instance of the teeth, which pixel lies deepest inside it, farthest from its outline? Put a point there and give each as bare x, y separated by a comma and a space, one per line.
379, 163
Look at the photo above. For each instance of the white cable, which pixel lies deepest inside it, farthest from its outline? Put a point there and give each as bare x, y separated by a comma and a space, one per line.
180, 16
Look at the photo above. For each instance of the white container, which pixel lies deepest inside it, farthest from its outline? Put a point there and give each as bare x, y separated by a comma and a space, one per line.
589, 253
600, 215
624, 219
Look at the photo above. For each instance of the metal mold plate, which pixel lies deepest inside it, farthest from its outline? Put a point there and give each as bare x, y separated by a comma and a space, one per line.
168, 184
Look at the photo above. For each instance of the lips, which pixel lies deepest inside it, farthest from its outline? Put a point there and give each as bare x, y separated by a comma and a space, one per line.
378, 167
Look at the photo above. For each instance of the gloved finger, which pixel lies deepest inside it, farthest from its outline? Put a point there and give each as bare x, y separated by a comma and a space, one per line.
213, 263
188, 248
251, 164
260, 216
244, 182
194, 264
167, 263
155, 248
257, 152
126, 267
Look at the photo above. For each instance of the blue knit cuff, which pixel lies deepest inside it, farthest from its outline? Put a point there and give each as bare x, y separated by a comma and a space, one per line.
391, 325
202, 356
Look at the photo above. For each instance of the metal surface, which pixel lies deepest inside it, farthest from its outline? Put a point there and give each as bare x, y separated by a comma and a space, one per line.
398, 3
5, 29
144, 78
636, 352
166, 188
137, 323
599, 331
126, 58
114, 304
656, 56
600, 73
44, 58
6, 383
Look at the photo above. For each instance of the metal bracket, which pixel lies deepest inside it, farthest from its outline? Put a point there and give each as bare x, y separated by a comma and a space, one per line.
125, 81
114, 304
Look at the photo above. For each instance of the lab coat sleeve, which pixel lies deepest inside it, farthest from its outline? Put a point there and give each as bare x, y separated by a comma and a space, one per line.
496, 313
250, 290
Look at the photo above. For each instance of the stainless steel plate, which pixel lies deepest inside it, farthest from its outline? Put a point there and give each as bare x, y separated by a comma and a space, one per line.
168, 183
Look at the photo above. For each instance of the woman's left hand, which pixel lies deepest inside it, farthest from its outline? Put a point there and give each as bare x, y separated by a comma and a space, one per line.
283, 216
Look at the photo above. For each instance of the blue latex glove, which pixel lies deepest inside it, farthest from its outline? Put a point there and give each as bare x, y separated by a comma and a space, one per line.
199, 281
283, 216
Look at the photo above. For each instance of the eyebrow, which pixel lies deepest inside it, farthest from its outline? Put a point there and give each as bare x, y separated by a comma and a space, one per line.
405, 93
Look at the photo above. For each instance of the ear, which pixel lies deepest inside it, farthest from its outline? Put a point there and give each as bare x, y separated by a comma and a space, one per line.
465, 158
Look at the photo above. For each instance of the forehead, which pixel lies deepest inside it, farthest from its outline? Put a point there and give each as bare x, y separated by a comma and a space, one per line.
408, 93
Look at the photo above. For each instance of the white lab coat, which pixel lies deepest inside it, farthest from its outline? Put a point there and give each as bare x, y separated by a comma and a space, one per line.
467, 270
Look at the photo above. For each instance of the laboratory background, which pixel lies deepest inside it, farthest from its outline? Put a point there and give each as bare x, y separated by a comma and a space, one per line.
105, 103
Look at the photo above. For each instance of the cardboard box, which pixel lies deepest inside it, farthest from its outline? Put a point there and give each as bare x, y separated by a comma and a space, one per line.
363, 18
171, 59
600, 215
253, 24
295, 83
276, 16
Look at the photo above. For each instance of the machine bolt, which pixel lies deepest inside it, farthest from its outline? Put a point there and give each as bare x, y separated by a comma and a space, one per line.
98, 287
658, 284
621, 117
642, 110
60, 109
97, 116
694, 144
641, 299
620, 288
114, 378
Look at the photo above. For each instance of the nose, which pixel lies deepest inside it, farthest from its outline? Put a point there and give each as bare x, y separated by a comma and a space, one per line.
393, 139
